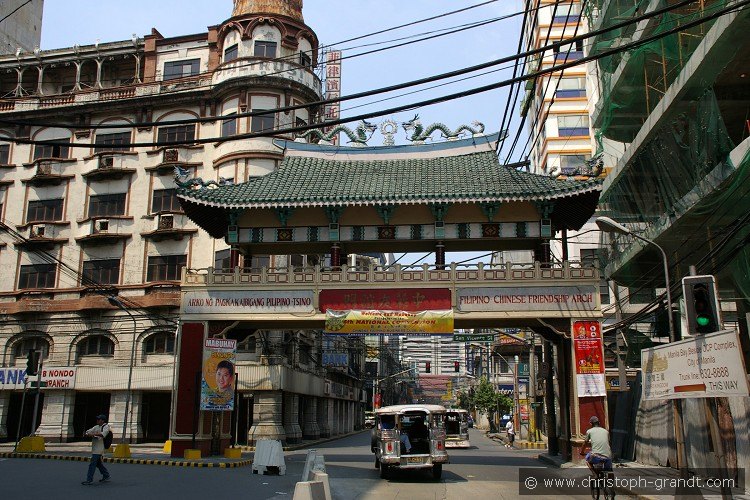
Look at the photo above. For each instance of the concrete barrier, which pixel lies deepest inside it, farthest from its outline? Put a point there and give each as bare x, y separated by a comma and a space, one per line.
314, 484
310, 490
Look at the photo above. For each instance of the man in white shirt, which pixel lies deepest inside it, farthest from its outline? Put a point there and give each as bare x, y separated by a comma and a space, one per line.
511, 433
97, 433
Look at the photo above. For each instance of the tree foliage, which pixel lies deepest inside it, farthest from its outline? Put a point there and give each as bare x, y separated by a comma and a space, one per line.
488, 401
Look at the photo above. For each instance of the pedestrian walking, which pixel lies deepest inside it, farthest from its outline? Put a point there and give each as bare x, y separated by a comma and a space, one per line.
98, 433
511, 433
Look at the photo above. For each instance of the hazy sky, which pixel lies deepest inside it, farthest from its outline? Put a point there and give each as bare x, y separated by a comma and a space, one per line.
70, 22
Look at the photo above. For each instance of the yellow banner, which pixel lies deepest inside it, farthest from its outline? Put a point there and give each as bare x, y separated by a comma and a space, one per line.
372, 322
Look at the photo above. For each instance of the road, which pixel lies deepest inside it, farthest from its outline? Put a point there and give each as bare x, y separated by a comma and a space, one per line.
487, 470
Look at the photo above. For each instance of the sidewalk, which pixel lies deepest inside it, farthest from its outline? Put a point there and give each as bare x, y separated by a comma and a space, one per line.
500, 437
636, 473
149, 454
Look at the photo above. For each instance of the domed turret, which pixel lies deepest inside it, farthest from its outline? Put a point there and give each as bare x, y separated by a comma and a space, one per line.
289, 8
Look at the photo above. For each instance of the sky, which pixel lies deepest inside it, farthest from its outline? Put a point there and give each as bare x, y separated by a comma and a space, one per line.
335, 21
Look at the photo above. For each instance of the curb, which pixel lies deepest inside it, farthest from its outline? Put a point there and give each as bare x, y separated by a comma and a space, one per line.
310, 444
136, 461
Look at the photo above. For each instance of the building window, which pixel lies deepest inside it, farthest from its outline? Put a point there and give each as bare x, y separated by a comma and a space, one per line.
37, 276
641, 296
176, 133
265, 49
229, 126
222, 260
571, 87
165, 267
305, 60
589, 257
22, 348
570, 164
165, 200
118, 141
504, 367
101, 272
97, 345
44, 211
262, 122
105, 205
181, 69
572, 125
567, 13
50, 151
4, 154
231, 53
159, 343
568, 52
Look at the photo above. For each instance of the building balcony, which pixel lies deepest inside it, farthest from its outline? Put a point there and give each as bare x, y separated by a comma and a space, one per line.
51, 172
264, 68
111, 165
175, 156
104, 231
169, 226
43, 235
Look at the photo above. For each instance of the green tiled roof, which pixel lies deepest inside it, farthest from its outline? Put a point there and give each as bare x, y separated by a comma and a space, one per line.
318, 181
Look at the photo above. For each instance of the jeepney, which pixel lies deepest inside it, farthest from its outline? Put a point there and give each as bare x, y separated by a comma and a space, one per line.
457, 428
410, 437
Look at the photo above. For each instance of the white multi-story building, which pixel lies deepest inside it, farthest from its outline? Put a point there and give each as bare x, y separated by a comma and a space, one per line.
93, 214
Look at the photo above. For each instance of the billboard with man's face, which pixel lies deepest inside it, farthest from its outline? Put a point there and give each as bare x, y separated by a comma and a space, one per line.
219, 374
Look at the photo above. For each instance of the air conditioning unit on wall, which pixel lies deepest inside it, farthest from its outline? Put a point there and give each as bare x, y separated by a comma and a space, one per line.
101, 226
38, 231
170, 156
106, 162
165, 221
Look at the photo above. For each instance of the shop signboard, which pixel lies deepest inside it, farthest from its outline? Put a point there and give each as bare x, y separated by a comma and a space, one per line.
588, 350
374, 322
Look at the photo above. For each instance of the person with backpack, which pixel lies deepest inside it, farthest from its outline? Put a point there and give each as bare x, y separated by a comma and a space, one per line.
101, 436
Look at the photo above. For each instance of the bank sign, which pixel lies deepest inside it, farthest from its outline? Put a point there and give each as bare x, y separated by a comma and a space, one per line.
54, 378
515, 299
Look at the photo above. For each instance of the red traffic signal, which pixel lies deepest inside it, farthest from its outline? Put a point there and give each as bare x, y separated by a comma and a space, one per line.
427, 367
455, 366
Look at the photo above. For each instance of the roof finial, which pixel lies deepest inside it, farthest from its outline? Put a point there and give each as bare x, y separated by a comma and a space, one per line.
289, 8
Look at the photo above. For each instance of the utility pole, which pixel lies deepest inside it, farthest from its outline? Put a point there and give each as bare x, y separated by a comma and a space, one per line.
532, 390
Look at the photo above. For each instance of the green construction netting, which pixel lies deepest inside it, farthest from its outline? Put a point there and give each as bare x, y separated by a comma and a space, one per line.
683, 191
633, 82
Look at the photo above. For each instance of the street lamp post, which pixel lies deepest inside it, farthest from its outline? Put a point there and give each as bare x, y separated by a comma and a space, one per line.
123, 449
610, 226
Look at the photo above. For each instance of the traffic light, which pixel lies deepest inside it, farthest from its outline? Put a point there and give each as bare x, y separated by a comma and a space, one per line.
427, 367
701, 304
455, 366
32, 362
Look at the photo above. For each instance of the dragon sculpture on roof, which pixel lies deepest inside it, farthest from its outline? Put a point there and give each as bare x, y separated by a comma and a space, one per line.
421, 134
363, 133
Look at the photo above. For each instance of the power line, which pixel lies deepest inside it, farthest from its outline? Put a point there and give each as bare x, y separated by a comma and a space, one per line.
391, 88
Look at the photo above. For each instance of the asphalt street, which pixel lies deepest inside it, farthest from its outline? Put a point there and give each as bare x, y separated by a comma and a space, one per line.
487, 470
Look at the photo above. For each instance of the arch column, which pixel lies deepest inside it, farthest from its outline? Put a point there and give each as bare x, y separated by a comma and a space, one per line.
4, 402
323, 412
267, 407
311, 429
291, 418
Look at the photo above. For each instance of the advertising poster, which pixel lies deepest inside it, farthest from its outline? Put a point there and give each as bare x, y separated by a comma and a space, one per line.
373, 322
219, 374
588, 349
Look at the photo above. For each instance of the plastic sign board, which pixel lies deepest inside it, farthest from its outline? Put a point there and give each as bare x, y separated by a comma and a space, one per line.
588, 351
373, 322
705, 366
219, 374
